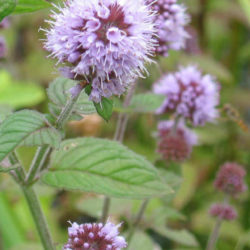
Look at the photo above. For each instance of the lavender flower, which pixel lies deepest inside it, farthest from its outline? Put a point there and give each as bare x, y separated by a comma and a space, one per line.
2, 47
223, 211
189, 94
105, 42
4, 24
170, 20
175, 144
230, 178
95, 237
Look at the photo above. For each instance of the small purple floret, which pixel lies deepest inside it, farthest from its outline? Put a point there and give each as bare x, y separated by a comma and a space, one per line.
170, 20
230, 178
189, 94
95, 237
223, 211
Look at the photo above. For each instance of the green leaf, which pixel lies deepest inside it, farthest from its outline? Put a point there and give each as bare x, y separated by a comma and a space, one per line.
146, 103
6, 8
182, 237
104, 167
141, 241
25, 127
104, 108
58, 93
19, 94
24, 6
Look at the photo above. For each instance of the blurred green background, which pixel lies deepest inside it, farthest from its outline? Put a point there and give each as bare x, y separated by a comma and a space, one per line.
219, 45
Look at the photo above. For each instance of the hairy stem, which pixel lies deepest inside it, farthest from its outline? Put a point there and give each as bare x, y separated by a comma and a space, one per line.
37, 163
216, 230
214, 235
119, 136
67, 111
105, 210
137, 220
34, 206
38, 217
43, 151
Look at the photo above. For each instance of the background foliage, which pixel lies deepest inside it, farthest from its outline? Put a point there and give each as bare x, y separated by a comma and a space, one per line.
220, 46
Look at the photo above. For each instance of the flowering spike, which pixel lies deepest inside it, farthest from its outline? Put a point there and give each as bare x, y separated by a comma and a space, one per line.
223, 211
189, 94
95, 237
106, 42
170, 19
175, 144
230, 178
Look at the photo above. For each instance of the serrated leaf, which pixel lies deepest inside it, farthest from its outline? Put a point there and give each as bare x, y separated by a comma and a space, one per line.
24, 6
182, 237
104, 108
104, 167
24, 127
58, 93
6, 8
44, 136
146, 103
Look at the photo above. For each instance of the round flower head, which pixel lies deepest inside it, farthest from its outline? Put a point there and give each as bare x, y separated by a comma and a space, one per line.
2, 47
170, 20
230, 178
175, 143
105, 42
4, 23
94, 237
189, 94
223, 211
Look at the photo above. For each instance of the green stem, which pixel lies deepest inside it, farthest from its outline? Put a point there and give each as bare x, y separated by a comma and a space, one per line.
43, 151
105, 210
37, 163
214, 235
34, 206
67, 111
38, 216
216, 230
137, 220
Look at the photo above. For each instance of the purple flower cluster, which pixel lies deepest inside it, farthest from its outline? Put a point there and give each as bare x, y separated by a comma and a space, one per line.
106, 42
4, 24
2, 47
170, 20
94, 237
189, 94
175, 141
230, 178
223, 211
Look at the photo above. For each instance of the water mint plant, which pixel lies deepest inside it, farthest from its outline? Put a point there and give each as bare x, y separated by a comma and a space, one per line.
133, 178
